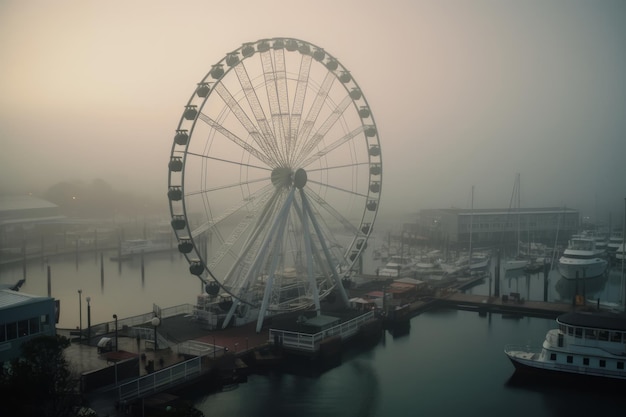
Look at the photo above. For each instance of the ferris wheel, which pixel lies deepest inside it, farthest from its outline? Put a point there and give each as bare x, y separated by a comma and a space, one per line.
275, 178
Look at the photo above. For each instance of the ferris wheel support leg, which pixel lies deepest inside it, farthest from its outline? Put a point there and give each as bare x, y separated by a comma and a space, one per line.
282, 221
277, 230
309, 258
338, 284
231, 312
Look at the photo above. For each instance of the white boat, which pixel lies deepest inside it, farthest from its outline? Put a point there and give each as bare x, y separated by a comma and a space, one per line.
589, 344
513, 264
397, 267
131, 247
582, 259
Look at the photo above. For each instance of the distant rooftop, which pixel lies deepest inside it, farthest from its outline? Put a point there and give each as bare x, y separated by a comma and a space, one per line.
27, 208
23, 202
536, 210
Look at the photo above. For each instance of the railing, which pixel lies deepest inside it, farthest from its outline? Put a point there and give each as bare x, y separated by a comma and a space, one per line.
310, 342
159, 380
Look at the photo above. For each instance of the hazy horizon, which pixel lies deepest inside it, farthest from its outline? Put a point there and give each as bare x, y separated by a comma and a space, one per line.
463, 93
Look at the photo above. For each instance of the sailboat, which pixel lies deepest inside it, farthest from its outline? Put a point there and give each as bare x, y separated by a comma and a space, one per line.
519, 262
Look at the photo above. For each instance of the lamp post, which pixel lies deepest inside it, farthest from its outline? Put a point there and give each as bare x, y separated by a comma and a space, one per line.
155, 322
80, 315
115, 317
88, 320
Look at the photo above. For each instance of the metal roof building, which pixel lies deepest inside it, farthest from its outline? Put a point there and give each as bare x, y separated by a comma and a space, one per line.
23, 317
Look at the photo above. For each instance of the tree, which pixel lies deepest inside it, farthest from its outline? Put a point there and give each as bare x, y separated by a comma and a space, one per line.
39, 382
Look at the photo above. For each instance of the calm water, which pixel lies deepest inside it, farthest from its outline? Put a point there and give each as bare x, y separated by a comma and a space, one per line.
450, 362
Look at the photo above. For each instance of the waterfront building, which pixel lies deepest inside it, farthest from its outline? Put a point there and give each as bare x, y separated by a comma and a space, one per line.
498, 226
23, 317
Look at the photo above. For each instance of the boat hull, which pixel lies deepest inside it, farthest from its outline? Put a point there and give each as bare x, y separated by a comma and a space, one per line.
573, 269
541, 368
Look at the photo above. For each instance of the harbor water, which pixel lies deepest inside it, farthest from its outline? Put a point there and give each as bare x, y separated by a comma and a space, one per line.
447, 362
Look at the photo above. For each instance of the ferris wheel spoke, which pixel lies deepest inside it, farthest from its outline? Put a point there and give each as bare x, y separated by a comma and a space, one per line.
245, 121
332, 146
257, 110
275, 76
236, 140
244, 259
322, 203
312, 142
343, 190
328, 168
314, 111
298, 105
227, 186
238, 163
259, 197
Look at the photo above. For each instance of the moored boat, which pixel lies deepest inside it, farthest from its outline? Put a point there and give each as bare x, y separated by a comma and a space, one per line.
397, 267
584, 343
582, 259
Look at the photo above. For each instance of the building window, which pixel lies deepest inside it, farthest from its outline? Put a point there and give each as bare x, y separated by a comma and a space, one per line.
570, 359
22, 328
33, 325
586, 361
11, 331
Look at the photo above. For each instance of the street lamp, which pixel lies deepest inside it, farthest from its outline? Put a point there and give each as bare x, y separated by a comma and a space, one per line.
88, 320
80, 315
115, 317
155, 322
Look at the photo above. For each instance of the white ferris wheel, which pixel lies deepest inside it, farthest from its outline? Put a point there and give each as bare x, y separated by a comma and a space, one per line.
275, 179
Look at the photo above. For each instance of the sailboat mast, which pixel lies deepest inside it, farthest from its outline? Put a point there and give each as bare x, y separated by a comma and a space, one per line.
471, 226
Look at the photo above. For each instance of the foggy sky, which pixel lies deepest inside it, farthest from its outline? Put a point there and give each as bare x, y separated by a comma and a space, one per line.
464, 93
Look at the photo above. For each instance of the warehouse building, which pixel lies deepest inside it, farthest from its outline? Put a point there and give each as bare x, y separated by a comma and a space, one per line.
498, 226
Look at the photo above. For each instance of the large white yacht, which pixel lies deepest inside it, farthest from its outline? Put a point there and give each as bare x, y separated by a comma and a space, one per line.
582, 259
591, 344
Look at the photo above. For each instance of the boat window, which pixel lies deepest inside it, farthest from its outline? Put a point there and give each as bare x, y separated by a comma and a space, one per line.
604, 335
553, 357
3, 336
585, 361
591, 334
570, 359
562, 328
570, 330
602, 363
620, 365
578, 332
616, 337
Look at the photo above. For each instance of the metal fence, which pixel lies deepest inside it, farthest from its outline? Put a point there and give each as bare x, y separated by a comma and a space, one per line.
160, 380
310, 342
